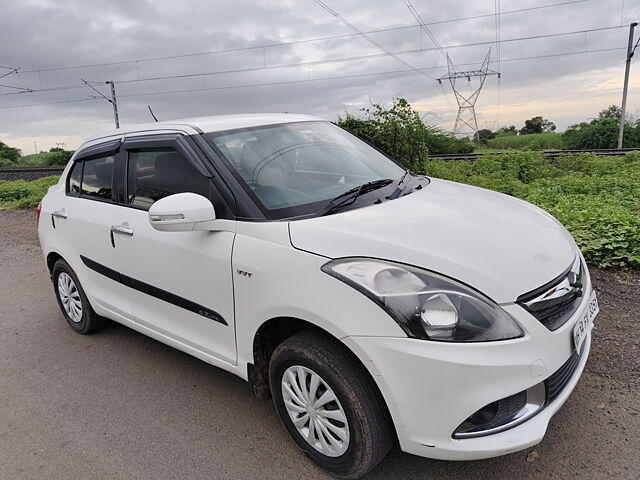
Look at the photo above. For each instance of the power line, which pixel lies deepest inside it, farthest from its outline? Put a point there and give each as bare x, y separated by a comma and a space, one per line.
317, 62
421, 23
508, 12
23, 90
367, 37
287, 82
13, 70
424, 28
281, 44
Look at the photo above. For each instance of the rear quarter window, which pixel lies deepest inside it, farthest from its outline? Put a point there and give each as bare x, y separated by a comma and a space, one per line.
97, 177
75, 179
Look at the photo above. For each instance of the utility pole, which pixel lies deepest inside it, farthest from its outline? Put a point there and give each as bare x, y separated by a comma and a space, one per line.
114, 102
111, 100
630, 51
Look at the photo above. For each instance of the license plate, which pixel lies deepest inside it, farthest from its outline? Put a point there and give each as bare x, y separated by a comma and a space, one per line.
585, 322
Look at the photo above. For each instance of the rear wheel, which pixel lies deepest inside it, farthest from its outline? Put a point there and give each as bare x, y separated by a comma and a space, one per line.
329, 404
72, 300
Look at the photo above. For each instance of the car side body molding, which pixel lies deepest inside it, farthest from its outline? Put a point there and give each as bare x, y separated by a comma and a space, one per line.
153, 291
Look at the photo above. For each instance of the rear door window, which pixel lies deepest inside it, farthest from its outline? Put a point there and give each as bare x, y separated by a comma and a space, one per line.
156, 173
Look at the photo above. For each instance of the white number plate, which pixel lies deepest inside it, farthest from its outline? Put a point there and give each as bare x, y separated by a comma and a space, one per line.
585, 322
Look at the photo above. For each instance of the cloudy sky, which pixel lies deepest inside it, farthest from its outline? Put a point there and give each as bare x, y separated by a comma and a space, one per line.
258, 56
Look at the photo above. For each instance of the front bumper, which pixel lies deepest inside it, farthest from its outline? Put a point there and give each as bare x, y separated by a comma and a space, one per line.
432, 387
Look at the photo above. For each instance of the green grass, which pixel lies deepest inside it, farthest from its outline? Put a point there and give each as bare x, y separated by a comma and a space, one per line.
535, 141
596, 198
24, 194
42, 159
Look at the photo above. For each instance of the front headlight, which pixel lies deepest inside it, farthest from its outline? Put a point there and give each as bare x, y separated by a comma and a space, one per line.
426, 305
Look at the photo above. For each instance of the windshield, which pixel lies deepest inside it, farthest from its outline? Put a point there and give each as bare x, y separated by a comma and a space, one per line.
301, 166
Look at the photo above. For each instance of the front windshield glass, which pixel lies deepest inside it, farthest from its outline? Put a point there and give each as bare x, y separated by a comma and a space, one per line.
296, 164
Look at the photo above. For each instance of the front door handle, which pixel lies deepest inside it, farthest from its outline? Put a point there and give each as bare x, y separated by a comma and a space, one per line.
59, 214
121, 229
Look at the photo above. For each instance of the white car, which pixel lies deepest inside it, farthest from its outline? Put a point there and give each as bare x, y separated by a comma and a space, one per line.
378, 308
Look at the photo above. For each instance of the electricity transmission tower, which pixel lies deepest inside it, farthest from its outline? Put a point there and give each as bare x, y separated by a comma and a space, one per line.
466, 121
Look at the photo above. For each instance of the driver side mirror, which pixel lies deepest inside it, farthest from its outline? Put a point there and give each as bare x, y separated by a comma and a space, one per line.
182, 212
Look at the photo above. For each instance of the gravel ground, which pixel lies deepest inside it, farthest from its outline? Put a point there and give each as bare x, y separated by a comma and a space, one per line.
120, 405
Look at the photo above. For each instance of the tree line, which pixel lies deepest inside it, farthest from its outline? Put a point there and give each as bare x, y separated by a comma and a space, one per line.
599, 133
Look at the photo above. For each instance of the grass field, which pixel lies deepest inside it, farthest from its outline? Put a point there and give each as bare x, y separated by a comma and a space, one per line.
42, 159
535, 141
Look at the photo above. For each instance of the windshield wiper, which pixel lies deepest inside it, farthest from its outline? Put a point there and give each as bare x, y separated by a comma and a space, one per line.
350, 196
401, 186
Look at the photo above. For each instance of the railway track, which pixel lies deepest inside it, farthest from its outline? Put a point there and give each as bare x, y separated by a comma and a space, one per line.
28, 173
549, 154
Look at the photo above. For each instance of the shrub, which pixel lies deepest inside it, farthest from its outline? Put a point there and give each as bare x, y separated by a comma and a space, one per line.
399, 132
24, 194
596, 197
46, 159
8, 155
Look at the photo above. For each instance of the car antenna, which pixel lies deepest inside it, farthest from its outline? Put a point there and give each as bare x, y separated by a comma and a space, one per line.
151, 112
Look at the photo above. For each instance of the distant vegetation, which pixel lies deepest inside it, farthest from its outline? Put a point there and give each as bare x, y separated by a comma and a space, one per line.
52, 158
8, 155
534, 141
538, 133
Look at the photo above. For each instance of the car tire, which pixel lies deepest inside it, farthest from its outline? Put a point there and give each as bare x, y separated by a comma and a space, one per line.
72, 300
346, 449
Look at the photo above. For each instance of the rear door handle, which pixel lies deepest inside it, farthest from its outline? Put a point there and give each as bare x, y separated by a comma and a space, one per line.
119, 229
122, 229
59, 214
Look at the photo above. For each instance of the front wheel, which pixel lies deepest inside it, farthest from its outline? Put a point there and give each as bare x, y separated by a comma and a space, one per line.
329, 404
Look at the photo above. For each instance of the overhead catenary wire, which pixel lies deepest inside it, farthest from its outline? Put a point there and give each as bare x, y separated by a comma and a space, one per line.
368, 38
14, 70
318, 62
281, 44
424, 26
308, 80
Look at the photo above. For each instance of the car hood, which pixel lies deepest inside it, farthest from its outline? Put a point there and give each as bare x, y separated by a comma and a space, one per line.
497, 244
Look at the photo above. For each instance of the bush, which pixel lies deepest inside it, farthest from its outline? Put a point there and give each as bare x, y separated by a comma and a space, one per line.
399, 132
8, 155
55, 158
596, 198
24, 194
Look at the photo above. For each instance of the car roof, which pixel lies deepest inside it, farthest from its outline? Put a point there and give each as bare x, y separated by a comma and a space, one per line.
212, 123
